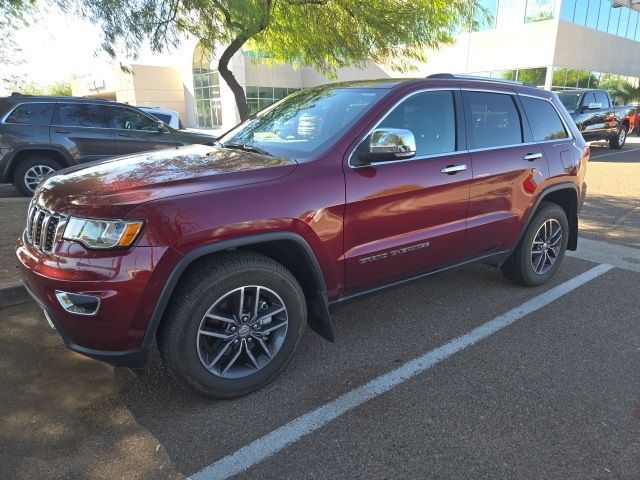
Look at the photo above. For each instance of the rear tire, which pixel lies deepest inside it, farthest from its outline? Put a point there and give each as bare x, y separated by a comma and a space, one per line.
540, 252
617, 142
214, 347
30, 171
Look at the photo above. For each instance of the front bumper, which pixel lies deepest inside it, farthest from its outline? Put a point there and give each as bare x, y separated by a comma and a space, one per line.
128, 284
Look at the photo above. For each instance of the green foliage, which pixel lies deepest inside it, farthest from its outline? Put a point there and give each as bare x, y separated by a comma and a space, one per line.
60, 89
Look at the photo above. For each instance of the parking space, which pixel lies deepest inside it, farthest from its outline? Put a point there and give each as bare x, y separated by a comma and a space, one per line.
553, 394
561, 375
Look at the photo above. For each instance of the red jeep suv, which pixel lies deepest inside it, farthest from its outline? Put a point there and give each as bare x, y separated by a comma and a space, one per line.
224, 253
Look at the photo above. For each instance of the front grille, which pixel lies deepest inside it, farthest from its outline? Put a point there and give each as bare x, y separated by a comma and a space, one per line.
42, 228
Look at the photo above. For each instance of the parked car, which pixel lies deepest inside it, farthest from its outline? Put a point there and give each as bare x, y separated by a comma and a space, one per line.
598, 118
40, 135
169, 117
224, 253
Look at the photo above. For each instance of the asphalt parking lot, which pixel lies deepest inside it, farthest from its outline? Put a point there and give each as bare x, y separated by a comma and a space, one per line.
464, 375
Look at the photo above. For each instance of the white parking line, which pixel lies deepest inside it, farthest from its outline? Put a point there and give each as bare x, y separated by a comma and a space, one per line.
616, 153
293, 431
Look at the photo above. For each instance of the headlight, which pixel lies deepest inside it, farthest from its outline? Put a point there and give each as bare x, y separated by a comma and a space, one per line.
102, 233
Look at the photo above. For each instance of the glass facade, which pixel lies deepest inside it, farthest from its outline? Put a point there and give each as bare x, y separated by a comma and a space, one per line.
206, 89
534, 76
509, 12
569, 78
261, 97
603, 15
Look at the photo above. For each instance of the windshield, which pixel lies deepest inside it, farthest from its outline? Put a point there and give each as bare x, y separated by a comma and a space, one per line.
570, 100
305, 123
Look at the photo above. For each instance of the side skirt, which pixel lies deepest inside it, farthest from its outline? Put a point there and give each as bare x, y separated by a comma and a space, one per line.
496, 259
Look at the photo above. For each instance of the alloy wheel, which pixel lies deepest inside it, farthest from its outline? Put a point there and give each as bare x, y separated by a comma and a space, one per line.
242, 331
546, 246
35, 174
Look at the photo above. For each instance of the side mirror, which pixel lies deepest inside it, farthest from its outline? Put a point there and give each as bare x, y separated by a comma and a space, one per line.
388, 144
594, 106
162, 127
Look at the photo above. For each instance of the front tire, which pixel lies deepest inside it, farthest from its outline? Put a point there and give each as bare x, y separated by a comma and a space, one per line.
30, 172
232, 325
541, 250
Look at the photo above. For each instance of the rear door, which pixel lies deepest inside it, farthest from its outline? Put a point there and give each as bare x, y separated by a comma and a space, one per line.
137, 132
404, 217
82, 129
504, 158
551, 133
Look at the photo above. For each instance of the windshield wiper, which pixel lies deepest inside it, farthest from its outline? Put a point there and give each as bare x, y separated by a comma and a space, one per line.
246, 147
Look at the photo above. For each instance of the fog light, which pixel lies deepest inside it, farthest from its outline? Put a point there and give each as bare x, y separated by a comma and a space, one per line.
78, 304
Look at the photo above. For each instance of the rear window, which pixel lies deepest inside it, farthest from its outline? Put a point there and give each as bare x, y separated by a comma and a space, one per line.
81, 115
544, 119
495, 120
31, 114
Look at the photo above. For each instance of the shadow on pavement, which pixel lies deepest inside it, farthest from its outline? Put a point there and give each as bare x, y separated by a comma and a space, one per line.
611, 219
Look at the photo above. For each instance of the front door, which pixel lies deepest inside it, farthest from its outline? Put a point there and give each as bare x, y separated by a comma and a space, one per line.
404, 217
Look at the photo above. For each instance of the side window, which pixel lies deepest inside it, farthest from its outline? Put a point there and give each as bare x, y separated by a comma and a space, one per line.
128, 119
602, 99
431, 118
495, 120
31, 114
544, 120
81, 115
589, 98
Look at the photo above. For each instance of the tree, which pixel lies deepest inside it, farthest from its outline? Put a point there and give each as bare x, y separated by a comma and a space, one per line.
324, 34
58, 89
13, 14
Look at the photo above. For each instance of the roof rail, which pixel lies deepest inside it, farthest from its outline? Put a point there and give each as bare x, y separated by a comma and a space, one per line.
476, 77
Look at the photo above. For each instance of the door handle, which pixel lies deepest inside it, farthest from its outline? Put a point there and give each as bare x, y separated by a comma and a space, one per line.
451, 169
532, 156
127, 135
63, 131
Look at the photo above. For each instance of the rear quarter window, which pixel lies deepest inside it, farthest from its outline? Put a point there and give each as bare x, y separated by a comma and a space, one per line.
31, 114
544, 119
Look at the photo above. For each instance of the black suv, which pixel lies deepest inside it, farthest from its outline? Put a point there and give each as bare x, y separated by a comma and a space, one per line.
39, 135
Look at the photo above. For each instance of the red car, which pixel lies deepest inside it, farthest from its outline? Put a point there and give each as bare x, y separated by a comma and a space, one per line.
224, 253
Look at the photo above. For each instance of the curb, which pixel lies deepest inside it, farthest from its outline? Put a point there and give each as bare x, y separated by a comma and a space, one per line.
13, 294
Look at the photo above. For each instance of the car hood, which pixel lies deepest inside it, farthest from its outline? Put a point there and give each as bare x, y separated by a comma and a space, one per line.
121, 183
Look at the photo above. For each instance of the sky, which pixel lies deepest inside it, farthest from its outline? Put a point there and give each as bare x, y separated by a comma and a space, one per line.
59, 47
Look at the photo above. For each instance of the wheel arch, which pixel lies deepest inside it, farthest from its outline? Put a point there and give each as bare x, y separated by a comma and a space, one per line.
566, 196
50, 152
283, 247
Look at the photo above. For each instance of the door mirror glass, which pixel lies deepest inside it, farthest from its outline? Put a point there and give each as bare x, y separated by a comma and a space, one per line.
594, 106
390, 144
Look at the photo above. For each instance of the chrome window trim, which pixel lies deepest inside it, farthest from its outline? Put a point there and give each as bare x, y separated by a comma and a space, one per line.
458, 152
391, 109
6, 115
562, 119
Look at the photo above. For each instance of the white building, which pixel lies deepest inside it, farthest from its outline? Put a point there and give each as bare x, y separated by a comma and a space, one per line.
550, 43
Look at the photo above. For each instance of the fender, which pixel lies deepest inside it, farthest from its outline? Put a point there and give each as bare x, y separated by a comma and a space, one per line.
318, 311
6, 174
573, 219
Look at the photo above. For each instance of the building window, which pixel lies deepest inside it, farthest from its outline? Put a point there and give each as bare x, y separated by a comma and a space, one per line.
259, 98
602, 15
510, 12
206, 89
569, 78
538, 10
535, 76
